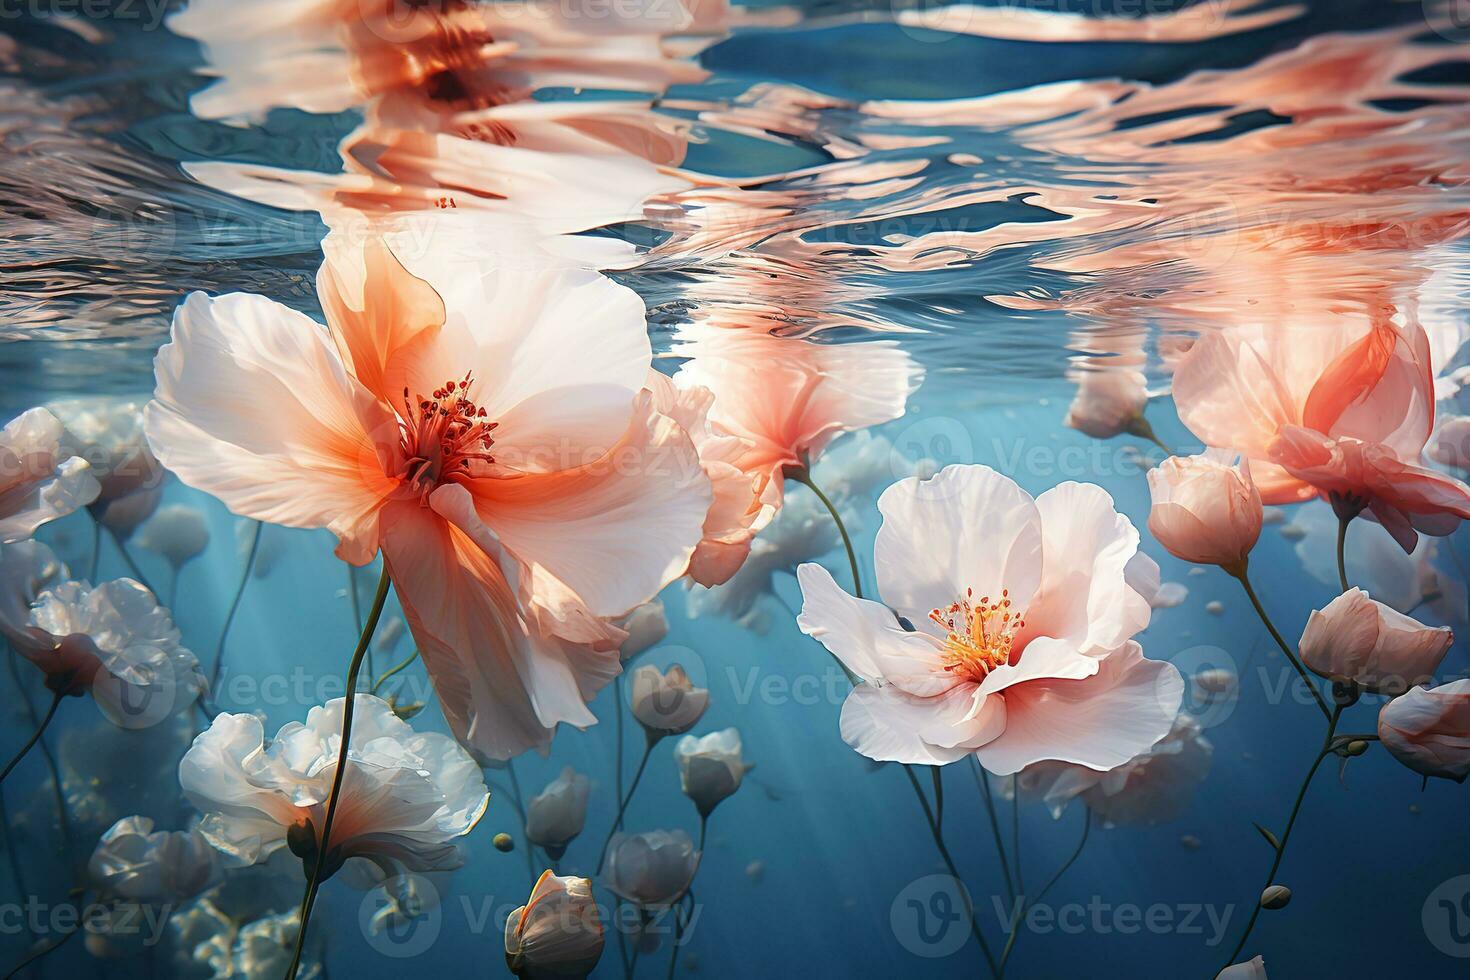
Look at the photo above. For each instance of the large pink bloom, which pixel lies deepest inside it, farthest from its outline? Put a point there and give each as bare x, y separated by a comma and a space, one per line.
491, 436
1328, 411
1024, 611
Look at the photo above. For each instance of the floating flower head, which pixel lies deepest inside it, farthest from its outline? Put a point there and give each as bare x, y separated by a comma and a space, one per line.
108, 433
133, 861
646, 626
554, 817
652, 870
27, 569
666, 703
1356, 639
39, 481
117, 642
405, 799
1022, 612
710, 768
786, 399
515, 474
557, 933
1109, 403
1428, 730
1205, 509
178, 533
1332, 411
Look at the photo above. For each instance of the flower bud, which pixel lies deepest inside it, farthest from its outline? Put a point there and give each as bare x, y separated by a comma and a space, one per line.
557, 933
1206, 509
1275, 897
1356, 641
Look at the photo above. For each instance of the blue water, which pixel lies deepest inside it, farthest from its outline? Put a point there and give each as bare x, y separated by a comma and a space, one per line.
108, 234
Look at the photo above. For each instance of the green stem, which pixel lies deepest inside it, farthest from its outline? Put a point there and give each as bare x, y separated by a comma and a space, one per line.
1244, 579
938, 799
1296, 809
1342, 528
396, 668
58, 790
122, 549
324, 846
43, 950
1141, 428
953, 870
1000, 847
804, 478
679, 921
35, 736
219, 650
1026, 906
623, 805
520, 801
1016, 831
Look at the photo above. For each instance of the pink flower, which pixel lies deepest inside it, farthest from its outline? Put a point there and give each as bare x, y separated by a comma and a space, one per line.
1024, 613
1333, 412
1205, 509
1428, 730
1358, 639
788, 398
1108, 403
495, 443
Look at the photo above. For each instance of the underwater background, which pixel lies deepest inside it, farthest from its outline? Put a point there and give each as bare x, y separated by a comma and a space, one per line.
822, 864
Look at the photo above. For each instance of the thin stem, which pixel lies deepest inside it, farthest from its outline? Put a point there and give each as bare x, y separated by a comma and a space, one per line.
938, 799
520, 799
679, 921
804, 478
623, 805
618, 740
396, 668
1016, 831
1244, 579
1020, 911
35, 736
1342, 528
57, 789
1141, 428
364, 640
1000, 847
953, 870
36, 954
219, 650
122, 549
1296, 809
96, 551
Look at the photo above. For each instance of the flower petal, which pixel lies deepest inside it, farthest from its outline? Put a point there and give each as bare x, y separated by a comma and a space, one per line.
1100, 722
254, 406
967, 527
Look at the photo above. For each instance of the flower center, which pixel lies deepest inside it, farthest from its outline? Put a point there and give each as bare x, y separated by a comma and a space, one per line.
441, 434
979, 635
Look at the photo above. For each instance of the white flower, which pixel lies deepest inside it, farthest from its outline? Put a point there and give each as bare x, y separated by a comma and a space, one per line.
555, 816
118, 642
132, 861
651, 870
108, 433
557, 933
405, 797
1015, 637
710, 768
646, 626
1250, 970
26, 570
39, 481
666, 704
263, 948
178, 533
